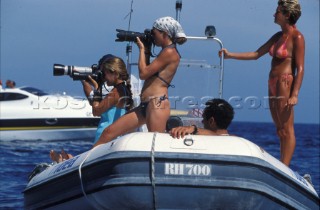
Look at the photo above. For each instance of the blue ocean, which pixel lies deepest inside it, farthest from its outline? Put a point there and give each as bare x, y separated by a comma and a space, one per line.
18, 158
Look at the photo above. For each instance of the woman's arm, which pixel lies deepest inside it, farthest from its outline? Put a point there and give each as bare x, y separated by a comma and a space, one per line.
99, 107
159, 63
142, 62
245, 55
250, 55
298, 53
241, 56
86, 88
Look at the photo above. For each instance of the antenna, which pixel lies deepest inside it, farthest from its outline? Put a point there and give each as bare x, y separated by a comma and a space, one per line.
129, 14
129, 45
178, 9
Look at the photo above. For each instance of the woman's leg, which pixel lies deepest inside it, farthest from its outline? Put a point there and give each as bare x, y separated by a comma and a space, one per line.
123, 125
286, 115
158, 113
283, 117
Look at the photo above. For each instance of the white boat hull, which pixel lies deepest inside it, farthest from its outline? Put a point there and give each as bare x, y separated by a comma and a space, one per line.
48, 134
29, 114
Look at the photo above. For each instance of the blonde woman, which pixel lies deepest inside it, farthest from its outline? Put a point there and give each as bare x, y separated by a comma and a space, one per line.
114, 105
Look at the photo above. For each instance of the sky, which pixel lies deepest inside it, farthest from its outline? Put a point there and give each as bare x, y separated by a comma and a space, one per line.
35, 34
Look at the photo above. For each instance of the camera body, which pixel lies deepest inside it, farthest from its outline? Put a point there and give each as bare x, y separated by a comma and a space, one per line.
146, 37
78, 72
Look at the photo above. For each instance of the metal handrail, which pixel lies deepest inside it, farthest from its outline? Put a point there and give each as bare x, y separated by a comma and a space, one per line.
221, 58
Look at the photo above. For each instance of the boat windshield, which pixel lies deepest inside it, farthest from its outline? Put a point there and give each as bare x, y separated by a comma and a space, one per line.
34, 91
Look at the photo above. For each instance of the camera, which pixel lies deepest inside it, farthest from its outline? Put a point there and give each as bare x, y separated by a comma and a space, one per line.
131, 36
78, 72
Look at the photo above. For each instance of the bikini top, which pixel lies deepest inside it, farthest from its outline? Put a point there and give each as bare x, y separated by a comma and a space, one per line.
157, 74
281, 52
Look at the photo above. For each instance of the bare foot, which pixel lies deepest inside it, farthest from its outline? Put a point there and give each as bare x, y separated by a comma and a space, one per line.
55, 156
65, 156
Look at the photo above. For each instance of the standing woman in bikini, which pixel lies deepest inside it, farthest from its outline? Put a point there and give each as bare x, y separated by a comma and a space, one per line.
287, 49
154, 109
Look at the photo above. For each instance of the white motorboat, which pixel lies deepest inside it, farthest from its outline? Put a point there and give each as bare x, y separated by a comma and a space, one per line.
28, 113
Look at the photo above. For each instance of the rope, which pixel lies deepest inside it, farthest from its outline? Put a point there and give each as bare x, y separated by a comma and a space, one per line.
94, 205
153, 178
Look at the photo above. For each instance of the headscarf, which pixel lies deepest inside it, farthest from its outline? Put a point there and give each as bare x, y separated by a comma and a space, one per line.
171, 26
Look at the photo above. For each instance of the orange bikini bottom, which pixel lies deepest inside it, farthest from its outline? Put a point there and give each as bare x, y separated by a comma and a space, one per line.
273, 81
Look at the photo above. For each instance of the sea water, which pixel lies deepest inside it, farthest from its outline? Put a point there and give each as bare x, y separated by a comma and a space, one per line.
18, 158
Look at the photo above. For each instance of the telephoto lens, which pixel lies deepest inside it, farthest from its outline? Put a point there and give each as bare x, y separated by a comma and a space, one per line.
59, 70
129, 36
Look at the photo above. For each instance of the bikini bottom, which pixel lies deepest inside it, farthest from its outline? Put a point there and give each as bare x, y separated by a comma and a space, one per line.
273, 81
144, 105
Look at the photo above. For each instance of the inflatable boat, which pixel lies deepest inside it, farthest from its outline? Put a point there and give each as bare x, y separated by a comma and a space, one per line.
155, 171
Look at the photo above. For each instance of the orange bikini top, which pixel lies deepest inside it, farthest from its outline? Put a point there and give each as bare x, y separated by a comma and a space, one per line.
281, 52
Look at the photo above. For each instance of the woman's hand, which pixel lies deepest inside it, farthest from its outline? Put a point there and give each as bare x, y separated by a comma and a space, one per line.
93, 82
225, 53
140, 44
293, 100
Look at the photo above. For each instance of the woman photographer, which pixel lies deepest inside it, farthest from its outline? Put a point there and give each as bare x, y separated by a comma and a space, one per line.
115, 104
91, 86
154, 109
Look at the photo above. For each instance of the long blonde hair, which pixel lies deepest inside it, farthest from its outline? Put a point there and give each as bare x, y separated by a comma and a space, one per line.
117, 65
